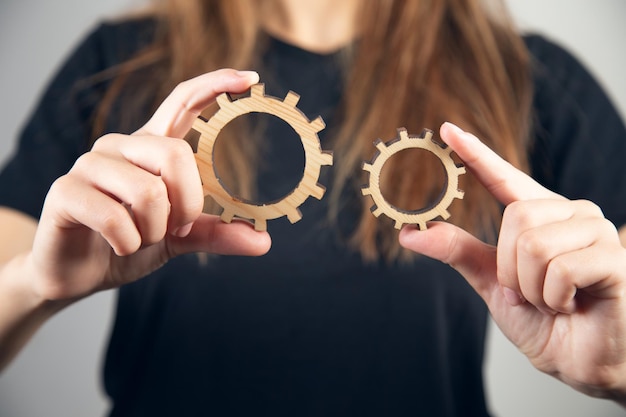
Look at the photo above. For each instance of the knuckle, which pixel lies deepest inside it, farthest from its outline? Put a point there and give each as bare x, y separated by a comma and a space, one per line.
86, 162
179, 152
112, 220
518, 213
105, 141
559, 269
119, 231
182, 88
607, 227
61, 185
150, 191
590, 207
63, 189
532, 244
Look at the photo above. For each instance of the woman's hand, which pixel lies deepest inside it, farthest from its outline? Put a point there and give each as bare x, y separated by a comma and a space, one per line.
556, 282
133, 202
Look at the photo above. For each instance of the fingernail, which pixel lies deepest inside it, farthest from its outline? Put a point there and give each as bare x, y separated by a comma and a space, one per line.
183, 230
454, 128
512, 297
460, 132
253, 76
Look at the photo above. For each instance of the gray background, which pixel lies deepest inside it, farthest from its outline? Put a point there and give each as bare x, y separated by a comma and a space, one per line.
58, 373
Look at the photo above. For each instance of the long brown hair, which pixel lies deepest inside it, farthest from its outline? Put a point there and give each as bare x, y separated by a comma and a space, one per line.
417, 64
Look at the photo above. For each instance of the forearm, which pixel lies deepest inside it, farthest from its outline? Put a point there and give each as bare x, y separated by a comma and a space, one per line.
22, 311
621, 399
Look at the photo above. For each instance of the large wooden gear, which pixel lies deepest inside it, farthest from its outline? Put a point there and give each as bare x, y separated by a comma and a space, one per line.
418, 217
286, 110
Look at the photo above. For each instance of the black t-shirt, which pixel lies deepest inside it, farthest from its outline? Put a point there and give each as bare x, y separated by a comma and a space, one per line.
308, 329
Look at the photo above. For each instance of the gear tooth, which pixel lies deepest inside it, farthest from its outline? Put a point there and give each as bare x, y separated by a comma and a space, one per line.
294, 215
403, 134
441, 145
380, 145
387, 150
227, 216
199, 125
260, 225
372, 161
459, 194
318, 191
315, 157
257, 90
317, 124
326, 158
223, 100
444, 213
291, 99
376, 211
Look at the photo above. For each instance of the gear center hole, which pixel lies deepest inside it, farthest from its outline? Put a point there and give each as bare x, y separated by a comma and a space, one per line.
421, 191
270, 151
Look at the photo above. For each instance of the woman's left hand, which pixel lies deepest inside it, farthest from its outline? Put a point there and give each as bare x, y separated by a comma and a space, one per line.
556, 282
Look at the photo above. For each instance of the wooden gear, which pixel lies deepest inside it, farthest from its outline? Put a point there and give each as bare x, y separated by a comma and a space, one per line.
286, 110
386, 151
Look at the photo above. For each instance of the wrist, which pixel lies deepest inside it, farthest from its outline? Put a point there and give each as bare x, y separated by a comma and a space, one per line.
22, 309
611, 387
17, 280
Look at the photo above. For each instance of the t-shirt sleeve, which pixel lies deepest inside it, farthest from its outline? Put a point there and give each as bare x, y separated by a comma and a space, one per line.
55, 135
579, 147
60, 128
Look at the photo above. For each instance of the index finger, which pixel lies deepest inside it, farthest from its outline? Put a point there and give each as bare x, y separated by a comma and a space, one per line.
499, 177
176, 114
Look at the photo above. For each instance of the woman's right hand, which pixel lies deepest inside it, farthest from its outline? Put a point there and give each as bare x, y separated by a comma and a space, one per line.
134, 202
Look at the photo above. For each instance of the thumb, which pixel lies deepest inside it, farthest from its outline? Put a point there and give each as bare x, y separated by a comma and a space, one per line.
471, 257
211, 235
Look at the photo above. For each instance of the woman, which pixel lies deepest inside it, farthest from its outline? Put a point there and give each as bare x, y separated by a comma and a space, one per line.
332, 320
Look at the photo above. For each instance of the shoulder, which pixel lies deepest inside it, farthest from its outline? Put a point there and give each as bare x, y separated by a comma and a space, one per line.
77, 87
547, 51
110, 43
66, 108
576, 127
566, 91
103, 47
557, 71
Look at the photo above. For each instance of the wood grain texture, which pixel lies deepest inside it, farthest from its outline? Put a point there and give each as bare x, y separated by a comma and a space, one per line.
286, 110
422, 216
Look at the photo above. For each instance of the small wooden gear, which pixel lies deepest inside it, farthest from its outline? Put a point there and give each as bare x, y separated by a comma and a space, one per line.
386, 151
286, 110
